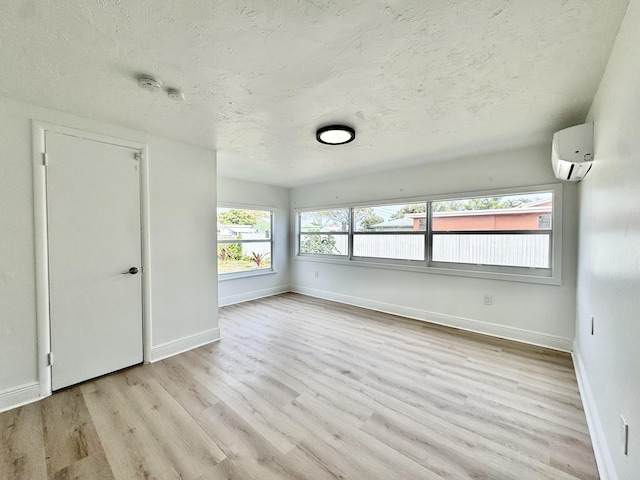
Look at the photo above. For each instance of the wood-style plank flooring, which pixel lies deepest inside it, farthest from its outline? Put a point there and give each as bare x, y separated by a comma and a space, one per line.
302, 388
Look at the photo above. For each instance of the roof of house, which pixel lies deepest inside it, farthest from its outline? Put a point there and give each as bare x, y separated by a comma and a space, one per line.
237, 228
405, 222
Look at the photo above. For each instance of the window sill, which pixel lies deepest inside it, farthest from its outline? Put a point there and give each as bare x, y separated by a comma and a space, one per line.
509, 277
222, 277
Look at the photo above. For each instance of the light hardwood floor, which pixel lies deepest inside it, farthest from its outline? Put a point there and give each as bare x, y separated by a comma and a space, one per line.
308, 389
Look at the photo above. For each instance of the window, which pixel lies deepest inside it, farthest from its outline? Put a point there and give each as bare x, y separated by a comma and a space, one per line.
507, 234
324, 232
390, 231
496, 231
245, 242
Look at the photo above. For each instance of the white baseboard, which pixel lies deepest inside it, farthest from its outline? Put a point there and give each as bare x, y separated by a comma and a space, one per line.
30, 392
598, 440
17, 396
175, 347
471, 325
253, 295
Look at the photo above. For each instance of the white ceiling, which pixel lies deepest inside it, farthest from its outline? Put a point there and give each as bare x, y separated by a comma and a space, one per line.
420, 80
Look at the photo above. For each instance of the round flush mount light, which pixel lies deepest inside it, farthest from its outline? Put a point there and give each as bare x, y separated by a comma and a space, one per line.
335, 135
149, 83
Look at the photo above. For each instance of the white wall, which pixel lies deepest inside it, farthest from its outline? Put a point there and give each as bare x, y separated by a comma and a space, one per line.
237, 192
182, 199
183, 262
542, 314
609, 260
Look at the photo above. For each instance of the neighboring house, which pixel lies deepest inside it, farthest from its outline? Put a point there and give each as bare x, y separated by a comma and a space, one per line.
530, 216
404, 223
247, 232
232, 231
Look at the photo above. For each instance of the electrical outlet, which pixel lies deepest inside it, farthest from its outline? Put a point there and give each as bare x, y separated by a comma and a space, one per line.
488, 299
624, 435
593, 322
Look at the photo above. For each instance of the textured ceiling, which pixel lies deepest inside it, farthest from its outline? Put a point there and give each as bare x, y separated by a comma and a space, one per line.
420, 80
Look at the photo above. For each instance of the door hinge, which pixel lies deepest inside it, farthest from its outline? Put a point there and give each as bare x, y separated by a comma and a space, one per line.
45, 159
138, 156
49, 359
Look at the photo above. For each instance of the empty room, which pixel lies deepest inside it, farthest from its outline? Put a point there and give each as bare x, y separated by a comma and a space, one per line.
322, 239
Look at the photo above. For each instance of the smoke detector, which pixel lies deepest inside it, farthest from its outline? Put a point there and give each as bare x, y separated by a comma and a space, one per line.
175, 94
149, 83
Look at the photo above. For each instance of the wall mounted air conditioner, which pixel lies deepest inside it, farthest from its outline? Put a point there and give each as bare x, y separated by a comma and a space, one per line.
572, 152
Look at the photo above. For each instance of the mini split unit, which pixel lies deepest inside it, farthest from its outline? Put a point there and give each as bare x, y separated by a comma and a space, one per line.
572, 152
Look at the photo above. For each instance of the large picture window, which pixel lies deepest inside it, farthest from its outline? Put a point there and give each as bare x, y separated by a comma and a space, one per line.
493, 231
245, 242
497, 233
390, 232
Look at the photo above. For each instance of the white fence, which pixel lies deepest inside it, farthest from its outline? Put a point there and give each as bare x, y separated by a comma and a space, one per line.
249, 248
404, 247
515, 250
494, 249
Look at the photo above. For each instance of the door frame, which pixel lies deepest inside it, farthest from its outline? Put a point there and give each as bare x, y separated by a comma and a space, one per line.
43, 318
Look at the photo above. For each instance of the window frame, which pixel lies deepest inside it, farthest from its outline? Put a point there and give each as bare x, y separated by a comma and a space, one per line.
395, 261
300, 233
550, 276
271, 240
509, 269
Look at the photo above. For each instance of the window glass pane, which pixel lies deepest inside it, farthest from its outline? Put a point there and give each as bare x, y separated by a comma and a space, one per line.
325, 221
242, 257
521, 250
324, 244
391, 218
509, 212
241, 224
402, 247
250, 231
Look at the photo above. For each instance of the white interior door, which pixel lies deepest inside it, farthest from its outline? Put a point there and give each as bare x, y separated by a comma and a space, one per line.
93, 203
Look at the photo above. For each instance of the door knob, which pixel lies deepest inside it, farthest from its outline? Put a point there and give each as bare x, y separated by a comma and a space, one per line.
131, 271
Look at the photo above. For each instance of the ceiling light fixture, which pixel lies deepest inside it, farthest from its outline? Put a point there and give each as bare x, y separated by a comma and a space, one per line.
335, 135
